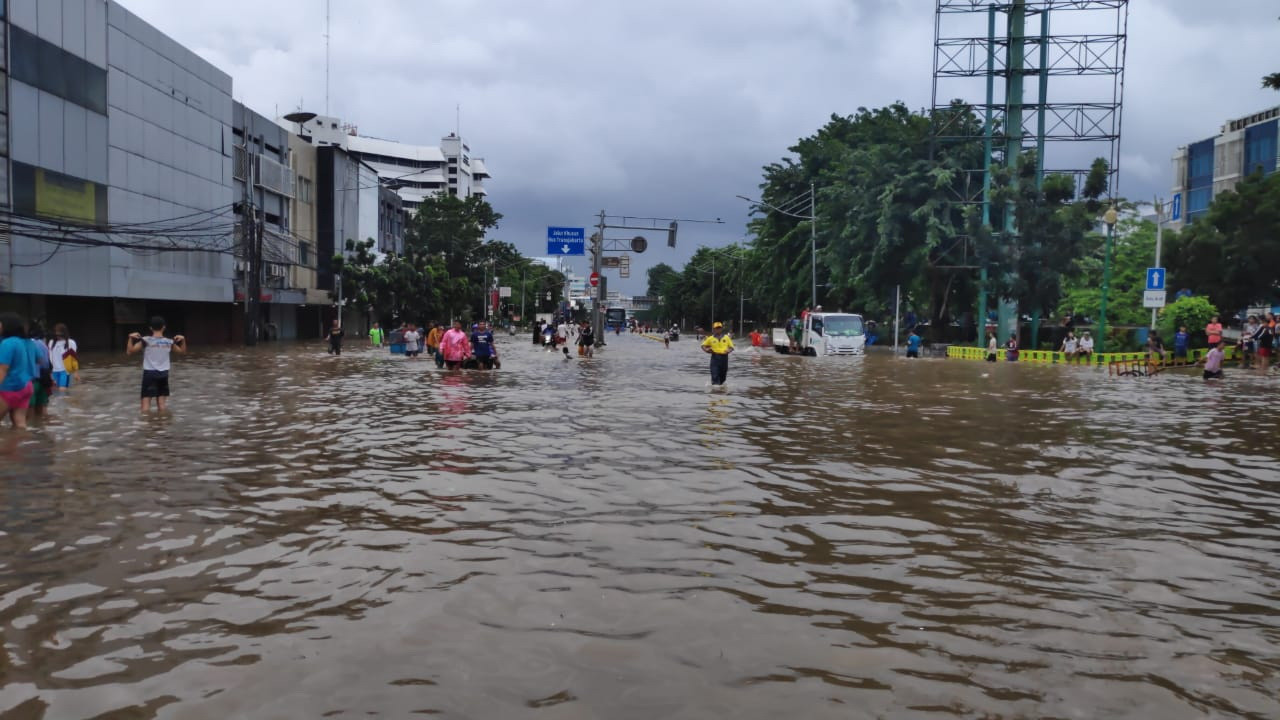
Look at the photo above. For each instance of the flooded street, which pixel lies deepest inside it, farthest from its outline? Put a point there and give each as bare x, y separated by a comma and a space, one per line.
305, 536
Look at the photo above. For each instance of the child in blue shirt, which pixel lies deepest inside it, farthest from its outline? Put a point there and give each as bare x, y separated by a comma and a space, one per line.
913, 344
1181, 341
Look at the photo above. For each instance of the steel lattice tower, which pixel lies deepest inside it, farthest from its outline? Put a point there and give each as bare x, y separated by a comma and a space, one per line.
1072, 53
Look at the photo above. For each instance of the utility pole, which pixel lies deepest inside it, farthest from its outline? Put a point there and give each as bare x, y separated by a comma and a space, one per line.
597, 251
713, 291
813, 248
251, 242
1159, 231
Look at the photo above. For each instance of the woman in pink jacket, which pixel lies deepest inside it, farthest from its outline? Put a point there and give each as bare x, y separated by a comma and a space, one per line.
455, 347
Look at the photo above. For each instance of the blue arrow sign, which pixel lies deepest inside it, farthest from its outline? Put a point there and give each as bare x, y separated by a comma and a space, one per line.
566, 241
1175, 213
1155, 278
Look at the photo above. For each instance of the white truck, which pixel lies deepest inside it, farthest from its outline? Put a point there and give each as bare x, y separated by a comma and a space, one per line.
825, 334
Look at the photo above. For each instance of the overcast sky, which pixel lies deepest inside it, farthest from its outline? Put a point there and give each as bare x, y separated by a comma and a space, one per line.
671, 107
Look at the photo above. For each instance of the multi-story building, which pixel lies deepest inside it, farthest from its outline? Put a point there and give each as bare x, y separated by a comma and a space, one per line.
265, 180
121, 133
414, 171
1203, 169
302, 213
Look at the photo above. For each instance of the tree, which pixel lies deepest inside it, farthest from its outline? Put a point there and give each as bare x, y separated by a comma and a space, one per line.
1132, 253
1231, 252
888, 215
1051, 236
1193, 313
454, 229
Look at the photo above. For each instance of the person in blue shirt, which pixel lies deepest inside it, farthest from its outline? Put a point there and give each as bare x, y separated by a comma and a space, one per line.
482, 348
17, 369
1181, 342
913, 344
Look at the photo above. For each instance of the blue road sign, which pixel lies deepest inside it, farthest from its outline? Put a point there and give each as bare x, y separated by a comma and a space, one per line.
566, 241
1175, 213
1155, 278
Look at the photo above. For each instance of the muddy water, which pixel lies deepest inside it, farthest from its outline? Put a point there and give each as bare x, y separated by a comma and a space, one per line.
306, 536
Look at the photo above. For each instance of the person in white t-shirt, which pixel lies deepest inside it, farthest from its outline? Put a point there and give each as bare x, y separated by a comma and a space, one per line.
60, 347
155, 350
1069, 347
411, 339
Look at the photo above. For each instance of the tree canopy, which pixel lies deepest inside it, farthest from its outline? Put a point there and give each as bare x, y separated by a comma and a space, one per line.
446, 268
1231, 252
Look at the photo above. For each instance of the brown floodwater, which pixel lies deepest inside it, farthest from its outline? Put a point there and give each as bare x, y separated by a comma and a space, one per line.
304, 536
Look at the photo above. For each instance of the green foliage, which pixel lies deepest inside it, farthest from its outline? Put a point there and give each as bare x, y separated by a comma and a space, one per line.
1191, 312
1271, 81
718, 273
1231, 253
1133, 250
888, 215
445, 267
891, 212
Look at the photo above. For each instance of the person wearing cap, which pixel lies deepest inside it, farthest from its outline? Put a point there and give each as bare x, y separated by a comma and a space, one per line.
718, 346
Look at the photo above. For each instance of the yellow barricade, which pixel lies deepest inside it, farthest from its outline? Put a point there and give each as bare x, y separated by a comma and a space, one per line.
1053, 357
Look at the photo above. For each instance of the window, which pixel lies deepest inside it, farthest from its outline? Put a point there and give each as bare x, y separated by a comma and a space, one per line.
304, 253
1260, 148
48, 67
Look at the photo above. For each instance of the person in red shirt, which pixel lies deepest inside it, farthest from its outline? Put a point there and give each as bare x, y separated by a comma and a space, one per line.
756, 340
1214, 331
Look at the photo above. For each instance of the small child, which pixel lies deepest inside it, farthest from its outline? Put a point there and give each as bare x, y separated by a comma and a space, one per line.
913, 344
155, 362
1181, 342
411, 338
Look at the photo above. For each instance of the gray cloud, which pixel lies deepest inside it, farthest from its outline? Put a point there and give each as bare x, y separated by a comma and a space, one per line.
671, 107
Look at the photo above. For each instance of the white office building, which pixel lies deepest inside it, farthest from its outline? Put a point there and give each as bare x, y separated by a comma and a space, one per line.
414, 171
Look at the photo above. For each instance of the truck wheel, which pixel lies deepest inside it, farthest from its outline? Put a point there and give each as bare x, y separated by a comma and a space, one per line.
780, 350
811, 352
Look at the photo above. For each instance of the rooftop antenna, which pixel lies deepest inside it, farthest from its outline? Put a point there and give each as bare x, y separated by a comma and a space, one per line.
326, 57
457, 119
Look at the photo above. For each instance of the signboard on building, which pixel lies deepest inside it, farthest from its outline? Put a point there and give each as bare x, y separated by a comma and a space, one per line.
1175, 207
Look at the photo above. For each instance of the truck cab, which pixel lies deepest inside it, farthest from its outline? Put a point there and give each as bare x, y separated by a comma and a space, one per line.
825, 334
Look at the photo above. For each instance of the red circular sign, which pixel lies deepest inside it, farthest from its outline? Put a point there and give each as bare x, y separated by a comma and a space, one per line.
595, 279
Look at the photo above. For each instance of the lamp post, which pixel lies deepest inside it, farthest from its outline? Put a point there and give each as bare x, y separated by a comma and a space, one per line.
812, 217
1110, 219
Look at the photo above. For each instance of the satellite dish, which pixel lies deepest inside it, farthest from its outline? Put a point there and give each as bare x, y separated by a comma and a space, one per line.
300, 117
639, 244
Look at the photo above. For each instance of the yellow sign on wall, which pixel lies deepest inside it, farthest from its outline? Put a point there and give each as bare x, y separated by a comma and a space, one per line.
64, 197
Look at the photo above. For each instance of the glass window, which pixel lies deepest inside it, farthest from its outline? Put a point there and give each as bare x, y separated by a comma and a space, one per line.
51, 68
95, 89
44, 65
1260, 148
24, 48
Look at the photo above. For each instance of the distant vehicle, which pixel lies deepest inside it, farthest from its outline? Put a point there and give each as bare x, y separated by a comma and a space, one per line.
826, 334
615, 318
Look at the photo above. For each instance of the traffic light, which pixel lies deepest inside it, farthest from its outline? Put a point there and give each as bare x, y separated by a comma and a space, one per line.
671, 234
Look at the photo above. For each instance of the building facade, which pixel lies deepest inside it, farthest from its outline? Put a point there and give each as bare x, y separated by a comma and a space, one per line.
413, 171
119, 129
1203, 169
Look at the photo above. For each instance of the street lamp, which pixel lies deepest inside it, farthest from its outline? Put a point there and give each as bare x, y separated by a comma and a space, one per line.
1110, 219
812, 217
